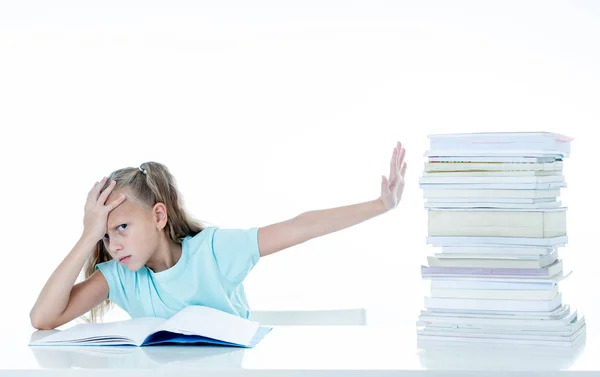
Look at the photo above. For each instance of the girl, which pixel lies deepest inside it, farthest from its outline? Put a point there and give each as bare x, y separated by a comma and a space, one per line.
143, 252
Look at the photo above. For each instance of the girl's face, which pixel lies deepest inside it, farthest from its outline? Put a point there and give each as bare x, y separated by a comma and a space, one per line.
131, 236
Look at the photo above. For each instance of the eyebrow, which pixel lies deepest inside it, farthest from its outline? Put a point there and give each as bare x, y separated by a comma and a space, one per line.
116, 224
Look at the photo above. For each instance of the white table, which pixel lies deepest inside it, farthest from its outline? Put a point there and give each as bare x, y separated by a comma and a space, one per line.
305, 351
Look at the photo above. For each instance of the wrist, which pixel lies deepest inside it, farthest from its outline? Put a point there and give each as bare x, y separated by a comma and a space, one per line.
87, 239
380, 205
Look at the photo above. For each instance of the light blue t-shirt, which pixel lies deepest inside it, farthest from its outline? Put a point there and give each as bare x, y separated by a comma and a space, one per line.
210, 272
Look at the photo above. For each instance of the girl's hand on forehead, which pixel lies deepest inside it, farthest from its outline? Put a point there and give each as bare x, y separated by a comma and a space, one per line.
96, 210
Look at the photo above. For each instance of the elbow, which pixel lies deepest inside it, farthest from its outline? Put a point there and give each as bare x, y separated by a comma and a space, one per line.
39, 323
279, 236
302, 229
43, 326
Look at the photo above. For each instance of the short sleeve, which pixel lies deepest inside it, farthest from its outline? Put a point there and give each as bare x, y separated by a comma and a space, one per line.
235, 252
116, 291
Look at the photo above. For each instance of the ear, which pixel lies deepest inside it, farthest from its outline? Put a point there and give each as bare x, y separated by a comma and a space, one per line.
159, 212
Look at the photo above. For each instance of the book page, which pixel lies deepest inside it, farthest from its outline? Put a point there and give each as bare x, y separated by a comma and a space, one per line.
211, 323
132, 331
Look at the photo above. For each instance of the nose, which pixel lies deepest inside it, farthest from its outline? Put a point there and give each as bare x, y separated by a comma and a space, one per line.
115, 247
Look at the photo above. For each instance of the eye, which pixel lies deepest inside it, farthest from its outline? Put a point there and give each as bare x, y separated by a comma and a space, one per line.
122, 225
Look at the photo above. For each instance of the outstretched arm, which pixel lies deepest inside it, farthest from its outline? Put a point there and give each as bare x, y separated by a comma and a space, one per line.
312, 224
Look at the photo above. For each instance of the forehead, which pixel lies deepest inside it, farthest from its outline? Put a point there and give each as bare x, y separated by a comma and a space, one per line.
126, 209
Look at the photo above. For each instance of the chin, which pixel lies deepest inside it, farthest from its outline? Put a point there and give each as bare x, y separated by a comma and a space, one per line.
133, 267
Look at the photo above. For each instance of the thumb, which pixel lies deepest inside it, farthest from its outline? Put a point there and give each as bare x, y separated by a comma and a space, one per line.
385, 188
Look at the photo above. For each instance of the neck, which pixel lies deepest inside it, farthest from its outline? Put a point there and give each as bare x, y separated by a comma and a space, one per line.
166, 254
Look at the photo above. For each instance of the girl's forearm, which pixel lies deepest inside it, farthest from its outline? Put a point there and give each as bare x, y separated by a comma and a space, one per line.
317, 223
54, 297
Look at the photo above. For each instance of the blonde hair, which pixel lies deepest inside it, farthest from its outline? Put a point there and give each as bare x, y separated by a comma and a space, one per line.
149, 184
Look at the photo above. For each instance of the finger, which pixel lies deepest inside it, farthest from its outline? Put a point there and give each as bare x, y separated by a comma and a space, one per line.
115, 203
95, 187
403, 170
106, 192
401, 158
100, 183
98, 187
399, 149
393, 169
92, 189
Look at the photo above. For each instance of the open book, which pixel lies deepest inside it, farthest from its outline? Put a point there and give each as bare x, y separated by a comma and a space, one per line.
193, 324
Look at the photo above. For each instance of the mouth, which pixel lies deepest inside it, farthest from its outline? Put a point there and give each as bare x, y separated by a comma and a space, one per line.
124, 259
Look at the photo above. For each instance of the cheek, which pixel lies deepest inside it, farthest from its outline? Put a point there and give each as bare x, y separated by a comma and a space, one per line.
146, 244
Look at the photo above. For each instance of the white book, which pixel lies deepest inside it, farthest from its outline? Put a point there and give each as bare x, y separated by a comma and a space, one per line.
505, 313
481, 279
498, 285
494, 304
503, 158
495, 337
512, 278
492, 166
513, 257
507, 210
434, 192
521, 241
491, 205
493, 250
494, 186
506, 326
193, 324
497, 222
502, 141
502, 137
495, 294
492, 200
520, 342
558, 155
430, 179
540, 262
558, 314
522, 322
477, 173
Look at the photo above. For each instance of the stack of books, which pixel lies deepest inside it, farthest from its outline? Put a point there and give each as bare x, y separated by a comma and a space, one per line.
496, 223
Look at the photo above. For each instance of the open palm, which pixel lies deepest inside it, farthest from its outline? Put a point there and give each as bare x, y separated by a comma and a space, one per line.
392, 187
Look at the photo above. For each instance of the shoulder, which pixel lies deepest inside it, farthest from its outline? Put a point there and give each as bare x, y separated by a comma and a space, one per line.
111, 266
200, 240
232, 251
218, 240
112, 270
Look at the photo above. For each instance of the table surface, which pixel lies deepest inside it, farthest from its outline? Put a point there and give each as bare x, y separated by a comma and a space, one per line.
304, 351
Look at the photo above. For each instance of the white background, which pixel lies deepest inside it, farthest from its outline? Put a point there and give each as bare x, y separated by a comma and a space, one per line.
263, 110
